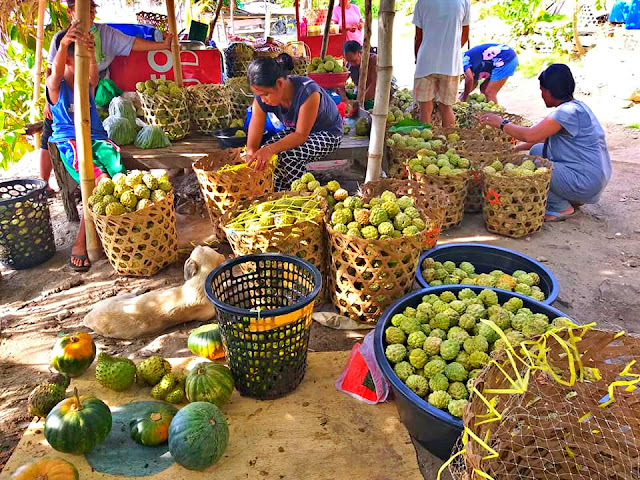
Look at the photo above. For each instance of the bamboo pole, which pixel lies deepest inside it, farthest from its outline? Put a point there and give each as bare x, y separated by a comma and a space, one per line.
574, 24
386, 15
232, 7
38, 66
82, 122
327, 29
175, 47
212, 25
366, 51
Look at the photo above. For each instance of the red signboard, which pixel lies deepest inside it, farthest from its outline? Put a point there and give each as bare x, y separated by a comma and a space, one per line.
198, 66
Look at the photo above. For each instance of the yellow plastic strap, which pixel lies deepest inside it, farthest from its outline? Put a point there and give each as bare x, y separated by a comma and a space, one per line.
626, 372
449, 462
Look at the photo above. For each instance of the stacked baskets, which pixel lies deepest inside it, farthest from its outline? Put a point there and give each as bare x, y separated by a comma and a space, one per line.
210, 107
170, 112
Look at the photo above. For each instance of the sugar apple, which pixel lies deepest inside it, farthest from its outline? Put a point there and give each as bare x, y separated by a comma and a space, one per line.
456, 407
395, 335
432, 345
395, 352
456, 372
404, 370
434, 367
439, 399
418, 357
438, 382
414, 340
418, 384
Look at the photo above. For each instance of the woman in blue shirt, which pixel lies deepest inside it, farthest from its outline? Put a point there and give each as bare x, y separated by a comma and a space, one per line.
571, 137
313, 125
492, 62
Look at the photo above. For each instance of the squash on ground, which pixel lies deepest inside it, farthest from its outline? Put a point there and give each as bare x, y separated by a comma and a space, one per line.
48, 468
209, 382
152, 428
72, 354
206, 341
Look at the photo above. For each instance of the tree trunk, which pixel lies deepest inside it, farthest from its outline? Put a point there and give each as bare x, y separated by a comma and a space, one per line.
576, 37
386, 15
38, 66
175, 46
212, 25
82, 121
366, 49
327, 29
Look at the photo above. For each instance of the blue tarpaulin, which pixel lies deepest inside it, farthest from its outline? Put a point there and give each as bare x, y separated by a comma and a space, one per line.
145, 32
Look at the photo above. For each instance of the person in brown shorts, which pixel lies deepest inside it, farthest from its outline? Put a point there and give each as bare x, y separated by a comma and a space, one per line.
442, 27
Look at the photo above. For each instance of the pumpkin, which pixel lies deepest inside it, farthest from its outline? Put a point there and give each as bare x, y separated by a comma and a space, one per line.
152, 427
73, 354
209, 382
198, 435
77, 424
206, 341
47, 468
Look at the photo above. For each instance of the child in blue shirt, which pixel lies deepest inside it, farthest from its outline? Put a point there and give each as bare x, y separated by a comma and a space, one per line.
106, 155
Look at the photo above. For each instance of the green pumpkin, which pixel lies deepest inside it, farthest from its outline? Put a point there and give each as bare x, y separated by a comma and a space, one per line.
209, 382
198, 435
77, 424
206, 342
152, 428
72, 354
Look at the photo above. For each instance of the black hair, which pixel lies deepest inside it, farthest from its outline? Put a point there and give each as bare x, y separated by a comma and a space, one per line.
485, 66
265, 71
72, 46
558, 79
351, 46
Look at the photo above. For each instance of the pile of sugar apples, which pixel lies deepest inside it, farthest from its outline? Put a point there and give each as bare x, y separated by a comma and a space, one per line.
445, 164
328, 65
128, 193
526, 169
441, 345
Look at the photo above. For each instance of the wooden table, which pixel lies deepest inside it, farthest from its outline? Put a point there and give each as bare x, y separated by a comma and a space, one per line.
182, 153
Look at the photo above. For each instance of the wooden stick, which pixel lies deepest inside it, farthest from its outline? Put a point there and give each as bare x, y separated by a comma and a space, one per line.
327, 29
212, 25
82, 122
232, 7
366, 52
38, 66
386, 15
175, 47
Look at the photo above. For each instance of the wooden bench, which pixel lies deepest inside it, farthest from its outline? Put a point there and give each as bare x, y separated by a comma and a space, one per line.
67, 184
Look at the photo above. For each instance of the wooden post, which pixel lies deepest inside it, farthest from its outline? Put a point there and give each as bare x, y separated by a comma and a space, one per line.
386, 15
175, 47
82, 121
327, 29
574, 23
38, 66
232, 7
366, 51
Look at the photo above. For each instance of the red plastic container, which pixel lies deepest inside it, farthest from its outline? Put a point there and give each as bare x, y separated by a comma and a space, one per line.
330, 80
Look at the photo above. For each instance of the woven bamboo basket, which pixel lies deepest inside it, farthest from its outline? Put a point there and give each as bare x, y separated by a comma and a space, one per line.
475, 195
240, 97
557, 426
142, 242
301, 54
304, 239
454, 186
515, 206
223, 190
497, 135
464, 134
237, 58
152, 19
366, 276
170, 113
209, 106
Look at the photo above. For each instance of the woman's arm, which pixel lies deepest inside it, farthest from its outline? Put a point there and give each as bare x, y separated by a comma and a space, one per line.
521, 147
536, 134
306, 120
256, 128
141, 45
470, 84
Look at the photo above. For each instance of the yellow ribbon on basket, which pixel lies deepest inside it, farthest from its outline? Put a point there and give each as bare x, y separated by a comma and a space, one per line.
263, 324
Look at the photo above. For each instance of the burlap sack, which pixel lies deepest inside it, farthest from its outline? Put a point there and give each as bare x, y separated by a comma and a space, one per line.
515, 206
366, 276
142, 242
222, 190
169, 112
209, 106
561, 427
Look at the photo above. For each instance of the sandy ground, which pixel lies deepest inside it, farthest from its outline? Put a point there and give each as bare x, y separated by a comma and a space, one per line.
595, 255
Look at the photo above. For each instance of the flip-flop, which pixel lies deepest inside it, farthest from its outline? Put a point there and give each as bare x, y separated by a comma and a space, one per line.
79, 268
557, 216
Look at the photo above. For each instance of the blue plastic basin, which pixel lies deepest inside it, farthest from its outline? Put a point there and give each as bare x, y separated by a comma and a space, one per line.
434, 429
487, 258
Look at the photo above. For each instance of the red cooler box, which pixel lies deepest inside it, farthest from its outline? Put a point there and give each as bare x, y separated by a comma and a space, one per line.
198, 66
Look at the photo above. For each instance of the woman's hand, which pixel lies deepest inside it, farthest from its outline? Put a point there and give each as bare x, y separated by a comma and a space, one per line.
491, 119
360, 24
71, 36
166, 42
260, 159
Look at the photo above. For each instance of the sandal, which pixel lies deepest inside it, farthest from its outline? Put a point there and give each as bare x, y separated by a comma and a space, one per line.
79, 268
557, 216
49, 192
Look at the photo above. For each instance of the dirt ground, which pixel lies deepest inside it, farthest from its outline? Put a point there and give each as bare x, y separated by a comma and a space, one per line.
595, 256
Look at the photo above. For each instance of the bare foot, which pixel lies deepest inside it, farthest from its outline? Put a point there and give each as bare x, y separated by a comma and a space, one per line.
559, 216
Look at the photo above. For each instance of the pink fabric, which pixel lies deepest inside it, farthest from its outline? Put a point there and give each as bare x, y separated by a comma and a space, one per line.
352, 17
76, 166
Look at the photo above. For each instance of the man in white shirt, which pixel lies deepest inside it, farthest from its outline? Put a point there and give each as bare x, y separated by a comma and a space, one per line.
442, 27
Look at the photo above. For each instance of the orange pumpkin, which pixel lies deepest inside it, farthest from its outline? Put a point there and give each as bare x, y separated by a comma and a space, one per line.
73, 354
49, 468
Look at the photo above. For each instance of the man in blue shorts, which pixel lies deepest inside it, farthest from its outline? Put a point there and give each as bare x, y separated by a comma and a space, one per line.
492, 62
